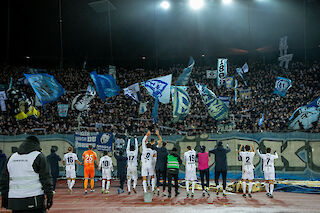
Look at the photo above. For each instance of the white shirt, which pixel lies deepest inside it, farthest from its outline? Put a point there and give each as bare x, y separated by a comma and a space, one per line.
268, 160
70, 160
105, 163
189, 157
247, 159
132, 155
147, 154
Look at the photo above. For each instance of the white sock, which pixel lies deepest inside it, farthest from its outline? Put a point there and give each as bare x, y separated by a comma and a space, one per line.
224, 191
153, 183
149, 179
129, 184
72, 183
193, 185
250, 187
103, 185
271, 188
144, 184
244, 187
187, 186
69, 184
108, 185
267, 187
134, 183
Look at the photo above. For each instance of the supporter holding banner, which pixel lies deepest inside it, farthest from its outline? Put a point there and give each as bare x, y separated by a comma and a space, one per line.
63, 110
100, 141
282, 85
304, 116
3, 98
181, 103
216, 108
133, 92
185, 75
221, 71
46, 87
105, 85
229, 82
211, 74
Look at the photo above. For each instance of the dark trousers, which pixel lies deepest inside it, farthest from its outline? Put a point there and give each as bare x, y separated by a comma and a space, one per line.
162, 174
204, 174
175, 177
30, 210
224, 178
122, 178
54, 182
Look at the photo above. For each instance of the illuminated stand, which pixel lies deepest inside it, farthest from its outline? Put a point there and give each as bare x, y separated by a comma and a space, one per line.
284, 57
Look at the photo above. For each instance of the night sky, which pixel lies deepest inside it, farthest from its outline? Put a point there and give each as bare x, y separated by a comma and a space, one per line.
141, 28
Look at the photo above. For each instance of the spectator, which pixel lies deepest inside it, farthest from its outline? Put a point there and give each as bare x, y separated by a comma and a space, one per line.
53, 160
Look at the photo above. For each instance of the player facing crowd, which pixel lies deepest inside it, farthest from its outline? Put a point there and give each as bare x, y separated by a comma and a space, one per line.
189, 158
89, 158
132, 174
105, 164
247, 168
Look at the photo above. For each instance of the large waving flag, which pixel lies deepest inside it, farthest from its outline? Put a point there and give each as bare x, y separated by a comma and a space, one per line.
245, 68
240, 73
133, 92
282, 86
159, 88
46, 87
105, 85
216, 108
185, 75
181, 103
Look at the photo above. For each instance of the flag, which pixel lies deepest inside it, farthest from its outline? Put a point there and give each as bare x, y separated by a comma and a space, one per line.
229, 82
185, 75
211, 74
133, 92
159, 88
305, 115
245, 93
225, 100
240, 73
46, 87
216, 108
181, 103
235, 91
282, 85
143, 107
261, 119
3, 98
245, 68
105, 85
63, 110
222, 71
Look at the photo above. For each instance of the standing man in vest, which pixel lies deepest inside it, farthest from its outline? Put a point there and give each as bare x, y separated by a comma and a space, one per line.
26, 180
203, 166
174, 161
53, 160
89, 158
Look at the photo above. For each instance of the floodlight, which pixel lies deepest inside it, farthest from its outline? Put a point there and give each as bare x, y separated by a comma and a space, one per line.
165, 5
196, 4
226, 1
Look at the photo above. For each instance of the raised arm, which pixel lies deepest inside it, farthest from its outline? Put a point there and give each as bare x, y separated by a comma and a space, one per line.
258, 151
136, 144
240, 148
252, 148
160, 138
128, 146
275, 155
144, 140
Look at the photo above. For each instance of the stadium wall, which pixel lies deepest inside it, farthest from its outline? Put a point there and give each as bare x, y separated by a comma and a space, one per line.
298, 151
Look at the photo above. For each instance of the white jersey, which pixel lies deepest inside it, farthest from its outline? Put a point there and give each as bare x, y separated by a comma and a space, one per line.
189, 158
106, 163
70, 160
247, 160
147, 154
268, 161
132, 155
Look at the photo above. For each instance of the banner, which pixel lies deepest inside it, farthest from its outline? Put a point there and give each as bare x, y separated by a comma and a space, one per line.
245, 68
133, 92
229, 82
235, 92
100, 141
222, 71
245, 94
159, 88
143, 107
282, 86
63, 110
240, 73
185, 75
46, 87
181, 103
82, 101
113, 72
216, 108
225, 100
211, 74
304, 116
3, 98
105, 85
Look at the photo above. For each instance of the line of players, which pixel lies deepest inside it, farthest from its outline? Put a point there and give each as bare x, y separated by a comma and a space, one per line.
149, 154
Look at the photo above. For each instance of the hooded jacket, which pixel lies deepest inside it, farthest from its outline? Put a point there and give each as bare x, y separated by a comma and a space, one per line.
220, 157
162, 157
40, 166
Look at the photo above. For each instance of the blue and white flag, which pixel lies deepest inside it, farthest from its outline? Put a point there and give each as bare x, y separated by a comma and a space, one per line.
222, 71
181, 103
261, 119
63, 110
240, 73
225, 100
99, 140
282, 86
305, 115
216, 108
185, 75
143, 107
229, 82
133, 92
245, 68
106, 86
159, 88
46, 87
235, 91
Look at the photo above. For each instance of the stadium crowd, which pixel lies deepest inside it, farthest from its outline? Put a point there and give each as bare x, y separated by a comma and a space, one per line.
121, 114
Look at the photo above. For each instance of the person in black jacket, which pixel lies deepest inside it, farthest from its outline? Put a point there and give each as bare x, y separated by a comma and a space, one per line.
3, 159
53, 160
32, 181
221, 165
173, 165
161, 163
121, 169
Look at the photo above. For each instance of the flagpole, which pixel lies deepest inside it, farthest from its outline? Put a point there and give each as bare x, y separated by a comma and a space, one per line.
60, 34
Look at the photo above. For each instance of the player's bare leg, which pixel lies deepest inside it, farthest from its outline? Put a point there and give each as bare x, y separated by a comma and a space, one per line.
144, 183
129, 184
193, 184
187, 188
103, 185
108, 186
250, 188
244, 188
153, 183
134, 186
69, 184
267, 187
271, 188
86, 180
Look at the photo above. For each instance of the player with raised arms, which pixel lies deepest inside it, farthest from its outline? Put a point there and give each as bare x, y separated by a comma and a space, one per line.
132, 174
247, 168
